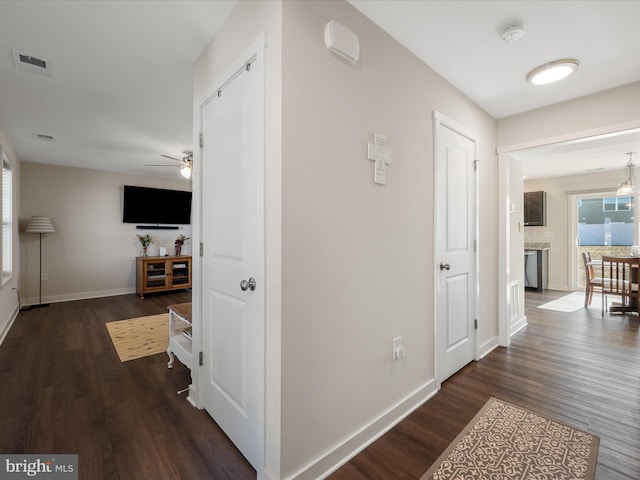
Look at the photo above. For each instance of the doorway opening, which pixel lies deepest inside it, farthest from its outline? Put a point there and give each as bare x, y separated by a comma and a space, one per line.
583, 146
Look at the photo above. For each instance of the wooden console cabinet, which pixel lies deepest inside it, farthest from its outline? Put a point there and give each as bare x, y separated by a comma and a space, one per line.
162, 274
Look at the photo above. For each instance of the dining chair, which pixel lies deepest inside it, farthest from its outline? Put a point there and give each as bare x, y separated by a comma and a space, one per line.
620, 278
593, 283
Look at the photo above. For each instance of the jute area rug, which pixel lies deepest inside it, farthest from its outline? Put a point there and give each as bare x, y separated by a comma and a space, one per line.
140, 337
507, 442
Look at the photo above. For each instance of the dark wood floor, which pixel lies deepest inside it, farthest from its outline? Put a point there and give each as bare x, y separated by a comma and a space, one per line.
64, 390
576, 368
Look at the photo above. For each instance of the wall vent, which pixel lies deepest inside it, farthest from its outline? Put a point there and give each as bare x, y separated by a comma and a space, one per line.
32, 64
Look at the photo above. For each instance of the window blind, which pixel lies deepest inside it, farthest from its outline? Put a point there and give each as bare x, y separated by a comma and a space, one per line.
7, 219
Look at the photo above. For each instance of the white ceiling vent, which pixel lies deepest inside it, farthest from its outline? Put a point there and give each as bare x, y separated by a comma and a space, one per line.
32, 64
342, 41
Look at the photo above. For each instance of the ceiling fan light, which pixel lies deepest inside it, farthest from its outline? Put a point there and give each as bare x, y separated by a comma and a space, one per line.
552, 72
185, 171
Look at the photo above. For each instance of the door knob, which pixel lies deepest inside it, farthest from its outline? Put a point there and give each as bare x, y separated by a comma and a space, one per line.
444, 266
248, 284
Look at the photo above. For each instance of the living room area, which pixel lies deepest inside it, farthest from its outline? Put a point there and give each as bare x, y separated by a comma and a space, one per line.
92, 252
68, 386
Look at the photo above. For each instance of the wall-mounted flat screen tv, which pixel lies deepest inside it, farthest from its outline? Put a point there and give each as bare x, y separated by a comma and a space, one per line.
156, 206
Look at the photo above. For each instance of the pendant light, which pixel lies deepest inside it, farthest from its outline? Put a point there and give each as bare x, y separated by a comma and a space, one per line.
630, 185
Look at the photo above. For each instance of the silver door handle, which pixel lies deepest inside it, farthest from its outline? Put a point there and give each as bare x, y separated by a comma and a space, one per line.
248, 284
444, 266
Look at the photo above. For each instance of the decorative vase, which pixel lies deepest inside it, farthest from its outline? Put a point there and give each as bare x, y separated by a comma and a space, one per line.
145, 251
178, 249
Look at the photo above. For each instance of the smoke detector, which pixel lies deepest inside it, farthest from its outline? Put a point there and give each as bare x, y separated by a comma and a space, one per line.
512, 33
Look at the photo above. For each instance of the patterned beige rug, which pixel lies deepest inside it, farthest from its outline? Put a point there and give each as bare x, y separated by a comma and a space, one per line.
507, 442
140, 337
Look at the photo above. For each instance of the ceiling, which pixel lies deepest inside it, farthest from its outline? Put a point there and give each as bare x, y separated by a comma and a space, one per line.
119, 90
603, 35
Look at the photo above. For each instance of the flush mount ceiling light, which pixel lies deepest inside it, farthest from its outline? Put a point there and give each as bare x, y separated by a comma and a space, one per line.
552, 71
630, 185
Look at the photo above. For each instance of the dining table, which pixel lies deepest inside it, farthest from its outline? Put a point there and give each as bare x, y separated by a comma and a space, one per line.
633, 305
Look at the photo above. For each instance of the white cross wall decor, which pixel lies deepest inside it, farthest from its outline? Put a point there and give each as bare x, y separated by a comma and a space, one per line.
381, 156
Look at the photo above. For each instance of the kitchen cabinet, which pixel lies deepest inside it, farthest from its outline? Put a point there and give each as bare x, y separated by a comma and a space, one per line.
535, 209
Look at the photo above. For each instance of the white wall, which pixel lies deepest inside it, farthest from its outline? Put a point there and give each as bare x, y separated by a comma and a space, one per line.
9, 305
618, 106
92, 253
517, 232
358, 266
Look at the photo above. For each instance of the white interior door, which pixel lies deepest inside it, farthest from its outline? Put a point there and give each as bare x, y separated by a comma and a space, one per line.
455, 257
233, 271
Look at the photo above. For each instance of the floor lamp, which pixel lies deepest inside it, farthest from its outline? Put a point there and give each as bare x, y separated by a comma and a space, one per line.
40, 225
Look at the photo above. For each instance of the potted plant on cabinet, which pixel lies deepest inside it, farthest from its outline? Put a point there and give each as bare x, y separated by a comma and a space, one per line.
179, 242
145, 241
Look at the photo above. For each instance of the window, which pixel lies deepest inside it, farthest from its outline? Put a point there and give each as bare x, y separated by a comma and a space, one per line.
616, 204
606, 221
7, 219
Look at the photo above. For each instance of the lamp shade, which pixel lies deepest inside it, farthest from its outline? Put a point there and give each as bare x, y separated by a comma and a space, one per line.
39, 225
630, 185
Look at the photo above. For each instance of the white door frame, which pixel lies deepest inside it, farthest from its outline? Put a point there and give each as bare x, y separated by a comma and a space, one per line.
441, 121
504, 240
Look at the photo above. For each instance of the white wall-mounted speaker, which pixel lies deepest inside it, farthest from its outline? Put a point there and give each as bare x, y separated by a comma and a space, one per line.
342, 41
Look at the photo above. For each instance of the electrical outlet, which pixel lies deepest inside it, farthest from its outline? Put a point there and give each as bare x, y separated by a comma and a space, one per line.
398, 348
44, 277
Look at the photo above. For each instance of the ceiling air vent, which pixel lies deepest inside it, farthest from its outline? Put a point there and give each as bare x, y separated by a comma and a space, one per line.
36, 62
31, 64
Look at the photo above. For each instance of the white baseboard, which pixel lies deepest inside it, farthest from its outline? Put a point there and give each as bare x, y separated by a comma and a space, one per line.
341, 454
487, 347
80, 296
518, 325
8, 325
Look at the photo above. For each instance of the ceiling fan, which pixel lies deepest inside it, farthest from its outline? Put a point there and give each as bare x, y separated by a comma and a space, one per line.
185, 164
